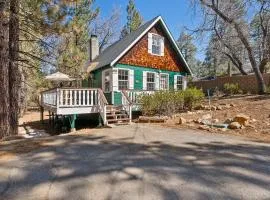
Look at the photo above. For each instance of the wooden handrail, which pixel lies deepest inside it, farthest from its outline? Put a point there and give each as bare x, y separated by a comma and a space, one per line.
127, 97
102, 96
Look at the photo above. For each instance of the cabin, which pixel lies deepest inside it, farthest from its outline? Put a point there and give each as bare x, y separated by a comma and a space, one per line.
144, 61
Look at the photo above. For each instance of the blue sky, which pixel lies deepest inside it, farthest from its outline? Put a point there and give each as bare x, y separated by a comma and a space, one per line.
176, 13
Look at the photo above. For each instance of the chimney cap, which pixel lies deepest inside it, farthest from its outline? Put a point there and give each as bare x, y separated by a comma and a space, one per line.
93, 36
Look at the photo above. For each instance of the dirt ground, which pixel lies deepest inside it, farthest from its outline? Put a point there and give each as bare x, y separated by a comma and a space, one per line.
256, 107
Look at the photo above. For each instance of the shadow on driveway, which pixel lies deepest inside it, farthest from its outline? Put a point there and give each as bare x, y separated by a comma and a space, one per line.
102, 167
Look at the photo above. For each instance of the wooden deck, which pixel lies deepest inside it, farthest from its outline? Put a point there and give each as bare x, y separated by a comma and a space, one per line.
69, 101
75, 101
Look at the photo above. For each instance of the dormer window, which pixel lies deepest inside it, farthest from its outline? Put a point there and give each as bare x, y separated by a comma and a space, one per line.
155, 44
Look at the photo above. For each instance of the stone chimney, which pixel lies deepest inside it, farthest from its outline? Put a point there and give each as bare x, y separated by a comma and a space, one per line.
93, 47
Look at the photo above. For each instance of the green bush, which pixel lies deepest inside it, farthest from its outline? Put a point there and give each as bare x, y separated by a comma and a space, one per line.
170, 102
192, 97
231, 88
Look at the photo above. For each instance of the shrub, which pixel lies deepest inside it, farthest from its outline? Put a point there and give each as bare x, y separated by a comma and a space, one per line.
231, 88
192, 97
170, 102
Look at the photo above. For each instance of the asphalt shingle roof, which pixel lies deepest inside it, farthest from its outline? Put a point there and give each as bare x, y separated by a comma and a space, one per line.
109, 55
113, 51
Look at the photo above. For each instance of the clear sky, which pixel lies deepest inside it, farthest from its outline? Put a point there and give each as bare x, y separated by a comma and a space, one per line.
176, 13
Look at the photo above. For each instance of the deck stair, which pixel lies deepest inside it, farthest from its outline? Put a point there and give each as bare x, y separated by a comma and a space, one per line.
117, 115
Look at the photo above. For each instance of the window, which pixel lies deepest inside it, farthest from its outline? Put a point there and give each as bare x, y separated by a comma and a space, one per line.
157, 41
150, 81
164, 81
107, 81
179, 83
123, 79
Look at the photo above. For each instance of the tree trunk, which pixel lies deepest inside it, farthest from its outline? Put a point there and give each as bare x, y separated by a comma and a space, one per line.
14, 71
4, 82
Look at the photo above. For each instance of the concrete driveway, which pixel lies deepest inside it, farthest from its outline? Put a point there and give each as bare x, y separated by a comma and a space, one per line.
139, 162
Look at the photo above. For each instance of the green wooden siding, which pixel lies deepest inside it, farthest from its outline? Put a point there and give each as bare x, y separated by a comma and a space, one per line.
138, 80
117, 98
138, 75
108, 96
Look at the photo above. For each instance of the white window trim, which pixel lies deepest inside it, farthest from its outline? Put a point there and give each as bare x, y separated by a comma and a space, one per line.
103, 80
184, 82
168, 83
162, 46
155, 80
128, 77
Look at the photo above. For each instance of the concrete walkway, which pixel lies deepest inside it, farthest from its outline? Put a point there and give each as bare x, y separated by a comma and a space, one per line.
140, 162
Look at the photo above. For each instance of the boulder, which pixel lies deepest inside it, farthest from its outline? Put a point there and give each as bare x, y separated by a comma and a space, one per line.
205, 122
213, 108
241, 119
219, 108
227, 106
182, 120
197, 121
228, 121
204, 127
215, 121
207, 116
222, 129
235, 125
199, 107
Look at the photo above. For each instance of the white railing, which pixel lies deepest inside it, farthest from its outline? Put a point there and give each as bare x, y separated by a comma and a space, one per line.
134, 95
74, 99
78, 97
49, 97
127, 104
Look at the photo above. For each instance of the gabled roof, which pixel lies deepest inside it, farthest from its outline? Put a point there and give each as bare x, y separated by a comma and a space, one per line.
116, 51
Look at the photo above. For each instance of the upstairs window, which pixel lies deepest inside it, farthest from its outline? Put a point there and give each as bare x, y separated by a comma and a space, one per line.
156, 44
123, 79
150, 81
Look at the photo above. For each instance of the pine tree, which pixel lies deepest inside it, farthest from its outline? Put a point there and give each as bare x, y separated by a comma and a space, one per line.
4, 71
73, 47
14, 70
134, 19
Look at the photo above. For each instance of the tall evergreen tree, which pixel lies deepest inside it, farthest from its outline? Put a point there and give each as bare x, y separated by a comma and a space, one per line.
14, 69
4, 71
73, 46
134, 19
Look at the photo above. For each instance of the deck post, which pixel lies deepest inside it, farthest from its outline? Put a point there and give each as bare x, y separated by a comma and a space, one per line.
53, 119
50, 117
42, 114
72, 120
100, 120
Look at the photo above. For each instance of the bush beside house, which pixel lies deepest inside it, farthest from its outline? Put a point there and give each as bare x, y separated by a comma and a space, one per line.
170, 102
